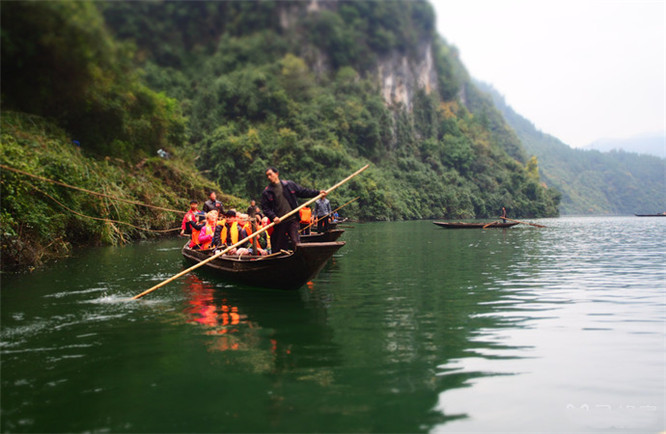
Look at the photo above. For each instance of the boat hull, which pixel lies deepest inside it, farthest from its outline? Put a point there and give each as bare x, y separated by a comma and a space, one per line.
286, 271
322, 237
462, 225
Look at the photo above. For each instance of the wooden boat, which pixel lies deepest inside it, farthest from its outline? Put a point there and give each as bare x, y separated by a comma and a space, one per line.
322, 237
651, 215
462, 225
283, 270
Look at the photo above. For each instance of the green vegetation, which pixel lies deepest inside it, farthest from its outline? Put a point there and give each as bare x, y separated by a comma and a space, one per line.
59, 61
41, 220
233, 87
304, 97
592, 182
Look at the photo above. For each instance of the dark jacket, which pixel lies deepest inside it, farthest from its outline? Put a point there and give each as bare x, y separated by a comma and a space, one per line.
211, 205
290, 190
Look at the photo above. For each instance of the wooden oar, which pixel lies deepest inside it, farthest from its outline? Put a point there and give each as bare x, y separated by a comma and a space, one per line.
525, 223
244, 240
341, 206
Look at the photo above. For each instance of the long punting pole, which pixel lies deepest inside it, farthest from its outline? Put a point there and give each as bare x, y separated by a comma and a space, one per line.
341, 206
244, 240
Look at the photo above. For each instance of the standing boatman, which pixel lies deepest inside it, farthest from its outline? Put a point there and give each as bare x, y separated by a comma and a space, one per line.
212, 204
279, 198
322, 214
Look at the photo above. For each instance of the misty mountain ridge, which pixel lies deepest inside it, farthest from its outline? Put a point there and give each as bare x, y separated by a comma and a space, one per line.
647, 143
592, 182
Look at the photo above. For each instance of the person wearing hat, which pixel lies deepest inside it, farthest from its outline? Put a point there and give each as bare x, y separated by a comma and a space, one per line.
185, 229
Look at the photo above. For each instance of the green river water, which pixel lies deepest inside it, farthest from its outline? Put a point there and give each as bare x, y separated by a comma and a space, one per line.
409, 328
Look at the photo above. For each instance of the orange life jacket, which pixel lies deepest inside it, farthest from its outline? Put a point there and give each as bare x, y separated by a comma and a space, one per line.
234, 233
209, 230
306, 215
195, 237
223, 231
248, 227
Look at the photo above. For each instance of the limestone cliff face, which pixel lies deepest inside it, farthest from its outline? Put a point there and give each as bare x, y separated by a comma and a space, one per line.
401, 76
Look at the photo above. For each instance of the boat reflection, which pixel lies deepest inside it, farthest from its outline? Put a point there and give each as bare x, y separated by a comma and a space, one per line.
276, 331
219, 316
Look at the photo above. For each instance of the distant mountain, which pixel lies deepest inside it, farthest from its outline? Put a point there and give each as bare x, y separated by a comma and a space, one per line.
651, 144
591, 182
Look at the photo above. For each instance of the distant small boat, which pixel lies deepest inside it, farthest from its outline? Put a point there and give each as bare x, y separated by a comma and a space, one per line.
663, 214
462, 225
282, 270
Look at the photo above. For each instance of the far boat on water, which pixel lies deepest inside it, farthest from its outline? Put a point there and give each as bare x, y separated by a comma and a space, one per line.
462, 225
663, 214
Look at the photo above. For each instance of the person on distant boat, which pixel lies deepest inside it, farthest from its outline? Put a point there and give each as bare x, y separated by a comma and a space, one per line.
503, 215
323, 214
190, 215
212, 204
207, 232
278, 199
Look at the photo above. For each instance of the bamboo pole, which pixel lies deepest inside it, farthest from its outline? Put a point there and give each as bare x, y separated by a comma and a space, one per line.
489, 224
341, 206
525, 223
244, 240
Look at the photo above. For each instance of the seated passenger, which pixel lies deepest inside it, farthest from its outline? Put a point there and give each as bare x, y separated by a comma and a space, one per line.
195, 227
207, 232
228, 232
190, 216
220, 235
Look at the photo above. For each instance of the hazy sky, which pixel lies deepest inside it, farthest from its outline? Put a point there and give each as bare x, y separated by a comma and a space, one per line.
580, 70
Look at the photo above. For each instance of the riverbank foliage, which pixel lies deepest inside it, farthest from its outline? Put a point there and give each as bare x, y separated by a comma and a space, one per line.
229, 88
41, 220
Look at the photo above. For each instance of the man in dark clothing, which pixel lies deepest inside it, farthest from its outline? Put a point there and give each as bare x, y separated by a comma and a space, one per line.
213, 204
279, 198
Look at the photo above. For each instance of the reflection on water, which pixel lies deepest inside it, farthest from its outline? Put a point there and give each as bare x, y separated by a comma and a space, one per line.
410, 328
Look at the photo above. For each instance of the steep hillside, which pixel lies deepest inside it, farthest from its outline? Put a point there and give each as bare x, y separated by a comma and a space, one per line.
316, 88
42, 220
92, 90
74, 110
592, 182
